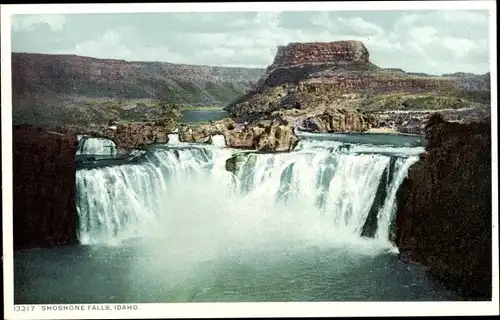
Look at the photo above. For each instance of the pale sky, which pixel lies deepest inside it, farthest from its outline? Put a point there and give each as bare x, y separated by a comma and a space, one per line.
433, 42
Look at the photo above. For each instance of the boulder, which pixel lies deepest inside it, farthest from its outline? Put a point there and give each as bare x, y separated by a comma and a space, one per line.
277, 138
238, 160
200, 134
264, 135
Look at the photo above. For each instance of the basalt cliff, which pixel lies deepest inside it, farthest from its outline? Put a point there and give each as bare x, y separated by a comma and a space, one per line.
333, 87
445, 207
44, 188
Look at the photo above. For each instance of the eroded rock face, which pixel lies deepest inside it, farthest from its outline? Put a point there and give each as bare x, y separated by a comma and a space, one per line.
414, 121
198, 135
273, 135
236, 162
264, 135
444, 207
339, 120
320, 52
44, 173
127, 136
134, 135
203, 133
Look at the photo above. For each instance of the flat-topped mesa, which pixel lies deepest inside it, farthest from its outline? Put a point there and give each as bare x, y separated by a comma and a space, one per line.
307, 78
337, 52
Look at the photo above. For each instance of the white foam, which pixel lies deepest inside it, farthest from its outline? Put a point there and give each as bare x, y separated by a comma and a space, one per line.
95, 146
218, 140
173, 138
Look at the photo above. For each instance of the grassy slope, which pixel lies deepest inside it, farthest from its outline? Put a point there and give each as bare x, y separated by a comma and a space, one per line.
415, 101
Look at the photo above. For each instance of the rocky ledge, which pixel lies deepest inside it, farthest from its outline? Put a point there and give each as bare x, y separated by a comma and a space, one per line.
131, 135
273, 135
444, 207
126, 136
338, 120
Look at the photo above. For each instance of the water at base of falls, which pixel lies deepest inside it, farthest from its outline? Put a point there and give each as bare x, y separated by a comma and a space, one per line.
174, 225
161, 272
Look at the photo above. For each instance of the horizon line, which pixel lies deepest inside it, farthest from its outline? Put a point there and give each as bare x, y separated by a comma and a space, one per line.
222, 66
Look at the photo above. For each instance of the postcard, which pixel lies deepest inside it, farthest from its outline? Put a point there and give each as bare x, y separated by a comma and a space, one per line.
249, 159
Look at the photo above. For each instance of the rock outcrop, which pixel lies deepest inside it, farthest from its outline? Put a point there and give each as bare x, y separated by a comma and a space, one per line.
126, 136
317, 52
444, 207
266, 136
414, 121
339, 120
309, 78
131, 135
272, 135
203, 133
44, 169
235, 163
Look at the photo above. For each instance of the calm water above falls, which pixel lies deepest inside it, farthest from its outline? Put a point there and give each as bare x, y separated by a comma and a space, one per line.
174, 226
202, 115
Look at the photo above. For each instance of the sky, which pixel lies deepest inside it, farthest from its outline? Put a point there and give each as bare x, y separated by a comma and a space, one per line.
434, 42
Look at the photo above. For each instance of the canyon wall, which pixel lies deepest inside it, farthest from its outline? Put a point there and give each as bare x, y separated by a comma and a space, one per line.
379, 82
444, 207
44, 168
68, 89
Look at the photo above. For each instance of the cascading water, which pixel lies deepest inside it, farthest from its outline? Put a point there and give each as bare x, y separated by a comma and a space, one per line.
184, 222
173, 138
95, 146
321, 193
218, 140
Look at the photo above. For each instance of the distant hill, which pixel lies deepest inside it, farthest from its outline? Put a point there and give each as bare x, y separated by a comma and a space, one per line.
47, 86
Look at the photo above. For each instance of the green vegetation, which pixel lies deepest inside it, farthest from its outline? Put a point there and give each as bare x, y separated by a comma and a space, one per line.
104, 111
413, 101
190, 93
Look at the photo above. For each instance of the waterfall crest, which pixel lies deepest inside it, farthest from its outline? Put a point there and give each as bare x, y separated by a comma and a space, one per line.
95, 146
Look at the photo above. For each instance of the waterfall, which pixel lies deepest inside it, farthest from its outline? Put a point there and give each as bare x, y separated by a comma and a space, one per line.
322, 192
173, 138
218, 140
95, 146
387, 212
